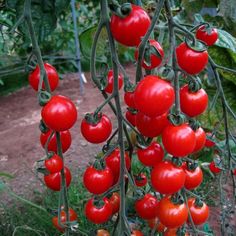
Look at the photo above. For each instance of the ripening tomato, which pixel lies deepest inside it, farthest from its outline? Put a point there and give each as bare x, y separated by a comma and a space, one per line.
207, 37
146, 207
189, 60
98, 214
208, 142
53, 78
199, 211
96, 132
170, 214
140, 180
151, 126
155, 60
154, 96
54, 164
166, 178
151, 155
53, 181
179, 141
102, 232
213, 168
155, 223
131, 117
136, 233
129, 99
193, 103
97, 181
124, 30
52, 145
59, 113
72, 217
115, 202
110, 81
200, 139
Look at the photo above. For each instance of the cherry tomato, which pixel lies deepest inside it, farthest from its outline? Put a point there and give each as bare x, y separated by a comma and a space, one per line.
115, 202
213, 168
59, 113
192, 62
98, 132
155, 60
72, 217
98, 214
141, 180
151, 126
193, 177
102, 232
172, 215
173, 232
110, 81
155, 223
208, 142
146, 207
200, 139
129, 99
151, 155
53, 181
153, 96
206, 37
179, 141
54, 164
199, 213
124, 30
166, 178
136, 233
52, 75
52, 145
193, 103
234, 172
131, 117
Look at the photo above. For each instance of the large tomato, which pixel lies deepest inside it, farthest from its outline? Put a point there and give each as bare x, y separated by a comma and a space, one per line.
199, 211
52, 145
130, 29
98, 132
146, 207
129, 99
179, 141
200, 139
151, 155
207, 37
154, 96
97, 181
131, 117
172, 215
59, 113
140, 180
110, 81
155, 60
115, 202
151, 126
166, 178
193, 62
52, 75
98, 214
193, 103
53, 181
54, 164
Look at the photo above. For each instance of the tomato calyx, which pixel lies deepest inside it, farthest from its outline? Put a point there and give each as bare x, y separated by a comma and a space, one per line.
167, 73
194, 124
177, 119
177, 199
120, 10
43, 97
129, 87
176, 161
42, 127
98, 202
194, 84
93, 118
197, 46
132, 110
191, 166
198, 203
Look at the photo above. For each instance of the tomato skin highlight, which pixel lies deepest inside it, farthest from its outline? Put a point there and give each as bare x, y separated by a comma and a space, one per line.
154, 96
209, 39
166, 178
110, 81
96, 133
59, 113
191, 61
179, 141
53, 78
54, 164
200, 139
193, 103
124, 30
115, 202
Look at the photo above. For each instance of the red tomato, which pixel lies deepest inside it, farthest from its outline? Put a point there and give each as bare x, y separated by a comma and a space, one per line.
136, 233
124, 30
173, 232
59, 113
141, 180
131, 117
213, 168
172, 215
52, 75
72, 217
154, 96
157, 224
97, 181
129, 99
52, 145
193, 103
98, 132
179, 141
234, 172
115, 202
193, 177
199, 213
110, 81
192, 62
98, 214
151, 126
151, 155
208, 142
102, 232
208, 38
155, 60
53, 181
166, 178
200, 139
54, 164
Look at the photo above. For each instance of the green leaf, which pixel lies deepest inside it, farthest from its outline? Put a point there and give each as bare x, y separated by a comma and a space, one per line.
226, 40
198, 18
2, 186
1, 82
